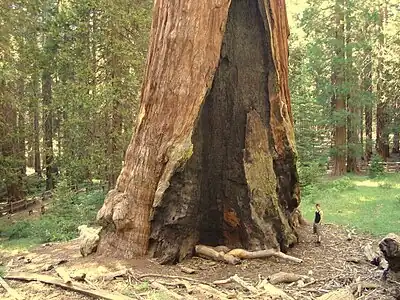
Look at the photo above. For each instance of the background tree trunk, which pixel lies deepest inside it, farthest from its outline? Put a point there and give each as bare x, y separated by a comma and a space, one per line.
340, 96
367, 86
382, 116
48, 127
213, 159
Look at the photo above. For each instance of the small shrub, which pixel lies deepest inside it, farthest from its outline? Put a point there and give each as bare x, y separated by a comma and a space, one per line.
341, 184
385, 185
376, 168
67, 211
397, 198
19, 230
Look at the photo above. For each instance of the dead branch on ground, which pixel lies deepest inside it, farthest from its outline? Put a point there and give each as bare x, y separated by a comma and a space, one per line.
76, 287
173, 295
283, 277
171, 277
63, 274
13, 293
234, 256
210, 253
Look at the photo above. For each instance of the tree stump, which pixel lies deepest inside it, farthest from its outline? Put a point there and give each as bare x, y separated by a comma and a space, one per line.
390, 247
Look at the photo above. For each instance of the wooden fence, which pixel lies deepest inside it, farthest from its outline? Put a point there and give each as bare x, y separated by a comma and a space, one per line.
11, 207
390, 166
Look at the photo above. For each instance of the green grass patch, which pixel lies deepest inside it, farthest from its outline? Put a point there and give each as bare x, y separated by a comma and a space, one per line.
369, 204
67, 211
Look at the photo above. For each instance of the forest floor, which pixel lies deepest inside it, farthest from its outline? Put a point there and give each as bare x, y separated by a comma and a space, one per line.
336, 263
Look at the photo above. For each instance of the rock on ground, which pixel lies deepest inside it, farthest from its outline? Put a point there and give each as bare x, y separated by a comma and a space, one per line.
89, 239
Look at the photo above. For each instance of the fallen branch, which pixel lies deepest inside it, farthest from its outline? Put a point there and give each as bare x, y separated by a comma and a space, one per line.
244, 254
357, 287
247, 286
350, 234
171, 277
113, 275
173, 295
283, 277
222, 281
76, 287
340, 294
212, 291
64, 275
184, 283
13, 293
210, 253
187, 270
273, 291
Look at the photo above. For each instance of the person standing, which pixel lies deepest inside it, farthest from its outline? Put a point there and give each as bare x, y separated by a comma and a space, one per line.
317, 222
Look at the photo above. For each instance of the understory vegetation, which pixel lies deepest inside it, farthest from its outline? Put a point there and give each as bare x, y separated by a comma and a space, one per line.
70, 80
359, 202
66, 212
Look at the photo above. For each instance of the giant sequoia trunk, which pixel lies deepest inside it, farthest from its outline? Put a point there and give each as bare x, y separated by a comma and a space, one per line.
212, 160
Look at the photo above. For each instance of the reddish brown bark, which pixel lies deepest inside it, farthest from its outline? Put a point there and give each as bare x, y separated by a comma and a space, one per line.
339, 167
212, 159
382, 116
396, 135
9, 150
352, 107
367, 84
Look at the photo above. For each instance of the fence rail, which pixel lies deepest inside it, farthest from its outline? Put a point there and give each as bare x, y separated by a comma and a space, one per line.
390, 166
11, 207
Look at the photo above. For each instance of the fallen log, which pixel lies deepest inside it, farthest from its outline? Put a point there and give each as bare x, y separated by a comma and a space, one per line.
390, 247
340, 294
283, 277
210, 253
13, 293
244, 254
76, 287
222, 248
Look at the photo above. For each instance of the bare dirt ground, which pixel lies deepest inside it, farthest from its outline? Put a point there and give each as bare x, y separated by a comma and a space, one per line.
335, 263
